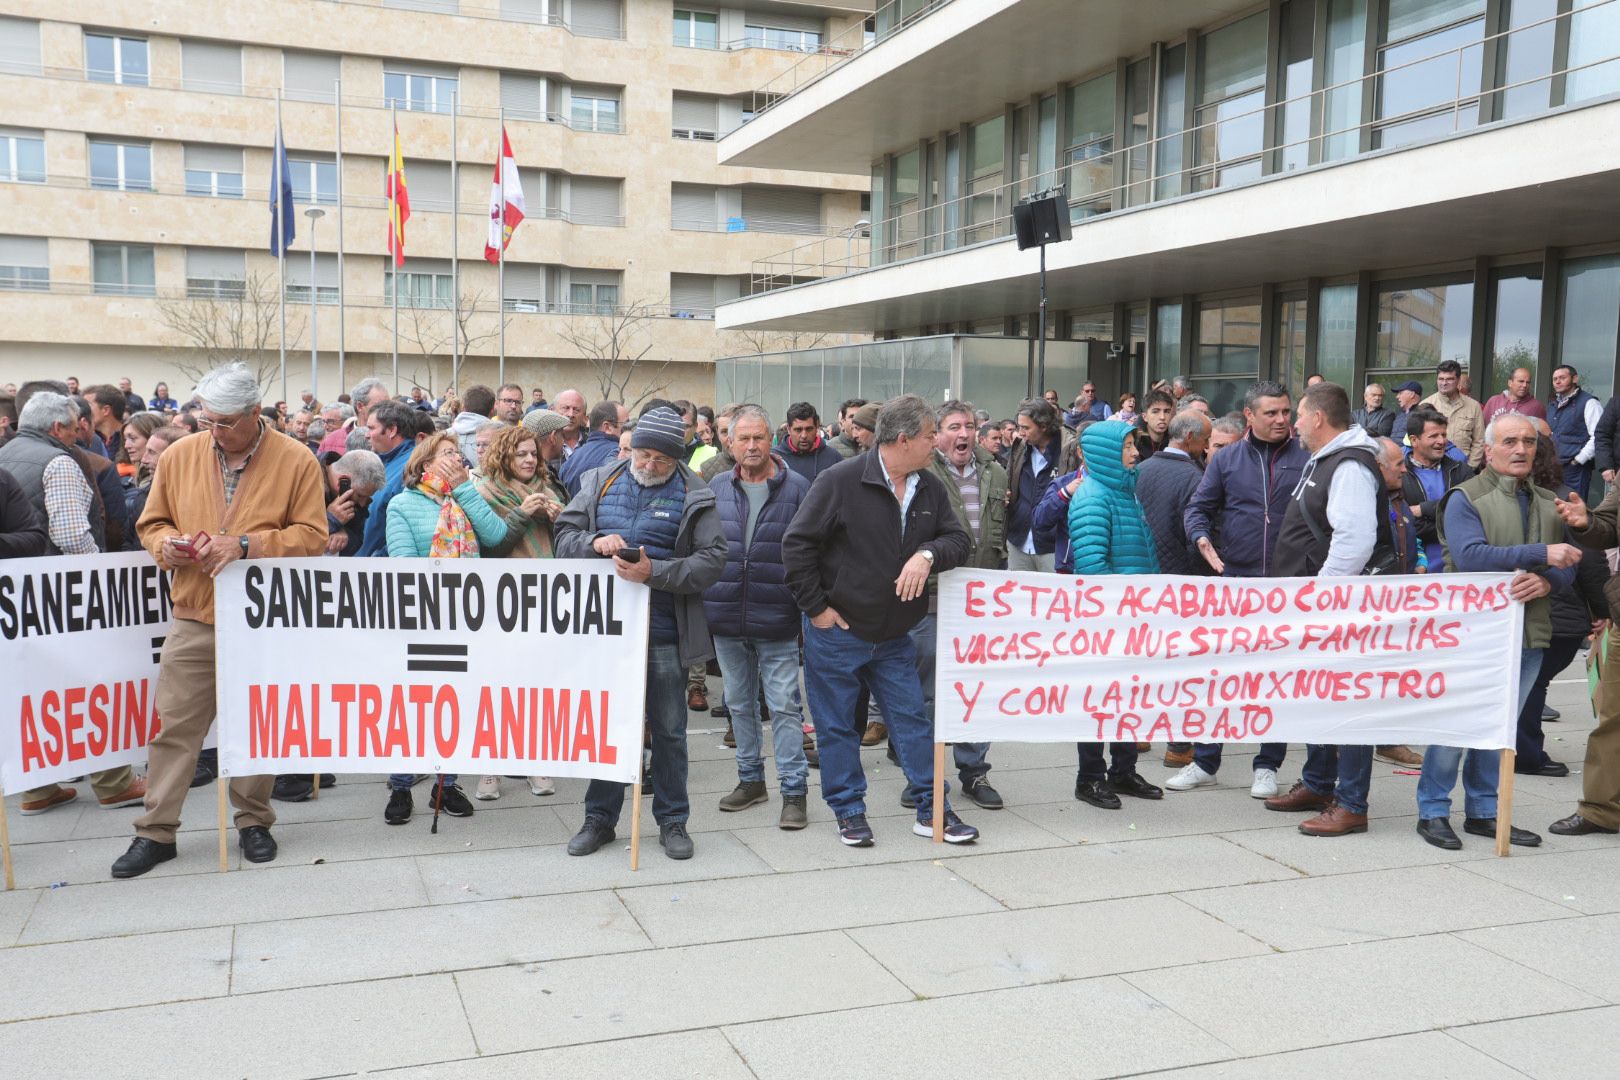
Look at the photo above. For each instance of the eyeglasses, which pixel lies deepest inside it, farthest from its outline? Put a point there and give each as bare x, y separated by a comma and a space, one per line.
206, 424
511, 401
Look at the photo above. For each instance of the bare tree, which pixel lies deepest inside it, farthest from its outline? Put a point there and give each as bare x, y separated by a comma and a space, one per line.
616, 344
433, 330
753, 342
208, 330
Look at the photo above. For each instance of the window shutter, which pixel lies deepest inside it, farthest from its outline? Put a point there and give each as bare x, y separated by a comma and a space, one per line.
596, 18
532, 11
428, 185
447, 7
411, 67
211, 68
24, 251
19, 46
216, 264
781, 209
583, 276
594, 200
692, 207
694, 112
308, 76
523, 96
204, 158
525, 284
326, 271
692, 293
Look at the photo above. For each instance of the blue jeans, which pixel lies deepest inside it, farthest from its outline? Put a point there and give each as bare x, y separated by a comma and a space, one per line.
666, 718
1481, 770
835, 662
401, 781
1207, 756
971, 757
1344, 772
744, 664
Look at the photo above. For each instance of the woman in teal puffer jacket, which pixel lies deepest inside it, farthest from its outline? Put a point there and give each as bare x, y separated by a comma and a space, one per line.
1106, 526
1110, 536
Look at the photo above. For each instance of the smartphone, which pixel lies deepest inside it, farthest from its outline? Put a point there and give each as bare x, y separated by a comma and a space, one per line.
195, 545
631, 554
344, 484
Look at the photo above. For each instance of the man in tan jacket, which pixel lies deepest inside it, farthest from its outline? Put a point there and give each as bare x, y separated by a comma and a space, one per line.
237, 489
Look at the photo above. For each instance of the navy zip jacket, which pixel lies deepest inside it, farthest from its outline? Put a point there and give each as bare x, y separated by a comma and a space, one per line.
1240, 502
752, 598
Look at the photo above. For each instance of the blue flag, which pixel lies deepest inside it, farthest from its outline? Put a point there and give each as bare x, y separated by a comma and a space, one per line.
281, 192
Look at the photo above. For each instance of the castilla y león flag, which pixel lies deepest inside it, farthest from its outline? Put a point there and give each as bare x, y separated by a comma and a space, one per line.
505, 203
399, 203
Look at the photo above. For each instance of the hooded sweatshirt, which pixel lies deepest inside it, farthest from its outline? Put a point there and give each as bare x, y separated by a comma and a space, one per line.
1351, 506
464, 427
1106, 526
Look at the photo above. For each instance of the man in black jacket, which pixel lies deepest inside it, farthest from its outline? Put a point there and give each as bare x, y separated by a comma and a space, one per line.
1430, 473
858, 556
1165, 484
22, 534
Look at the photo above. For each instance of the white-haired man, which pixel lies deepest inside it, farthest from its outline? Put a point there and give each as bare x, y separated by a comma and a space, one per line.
254, 493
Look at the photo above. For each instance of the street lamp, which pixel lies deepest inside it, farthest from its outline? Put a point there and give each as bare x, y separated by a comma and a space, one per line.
314, 214
849, 239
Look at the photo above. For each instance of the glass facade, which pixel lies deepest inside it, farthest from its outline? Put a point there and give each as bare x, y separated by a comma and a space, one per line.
1515, 328
1230, 117
1418, 326
1226, 356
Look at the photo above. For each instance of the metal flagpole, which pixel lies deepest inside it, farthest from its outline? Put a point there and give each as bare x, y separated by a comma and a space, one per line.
280, 156
393, 218
455, 242
337, 100
500, 258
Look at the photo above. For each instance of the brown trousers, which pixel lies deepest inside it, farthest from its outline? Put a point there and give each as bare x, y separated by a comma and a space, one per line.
185, 701
106, 784
1600, 777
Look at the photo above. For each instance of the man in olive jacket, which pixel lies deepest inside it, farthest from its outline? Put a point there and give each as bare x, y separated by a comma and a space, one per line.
977, 486
858, 556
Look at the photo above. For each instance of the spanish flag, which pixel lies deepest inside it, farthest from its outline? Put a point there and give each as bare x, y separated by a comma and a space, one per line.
399, 203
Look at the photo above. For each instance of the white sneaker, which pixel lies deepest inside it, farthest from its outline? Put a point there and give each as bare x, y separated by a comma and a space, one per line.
541, 785
1190, 776
489, 789
1265, 784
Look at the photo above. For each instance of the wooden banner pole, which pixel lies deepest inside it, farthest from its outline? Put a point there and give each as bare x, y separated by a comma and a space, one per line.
635, 807
1504, 804
315, 790
939, 792
224, 858
5, 843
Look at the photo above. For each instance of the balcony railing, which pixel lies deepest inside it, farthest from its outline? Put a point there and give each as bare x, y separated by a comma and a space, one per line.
753, 225
889, 19
1098, 180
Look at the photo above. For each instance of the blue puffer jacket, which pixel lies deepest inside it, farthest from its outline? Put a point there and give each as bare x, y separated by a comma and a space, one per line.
1106, 526
752, 598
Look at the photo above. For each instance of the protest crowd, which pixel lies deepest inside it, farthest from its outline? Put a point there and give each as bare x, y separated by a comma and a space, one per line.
796, 557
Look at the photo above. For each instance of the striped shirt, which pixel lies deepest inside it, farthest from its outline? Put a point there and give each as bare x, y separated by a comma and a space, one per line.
967, 485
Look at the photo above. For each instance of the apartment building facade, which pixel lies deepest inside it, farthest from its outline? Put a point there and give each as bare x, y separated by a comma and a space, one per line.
135, 165
1359, 188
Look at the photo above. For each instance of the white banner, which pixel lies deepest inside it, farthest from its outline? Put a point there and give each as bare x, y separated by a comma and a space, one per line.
1034, 657
79, 643
513, 667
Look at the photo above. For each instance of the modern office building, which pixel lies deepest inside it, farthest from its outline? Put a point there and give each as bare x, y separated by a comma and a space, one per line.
135, 163
1359, 188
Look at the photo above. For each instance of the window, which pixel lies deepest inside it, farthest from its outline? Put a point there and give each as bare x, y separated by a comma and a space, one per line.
1226, 356
587, 298
903, 192
25, 263
783, 38
326, 279
215, 273
307, 76
423, 287
1298, 63
214, 171
120, 166
1430, 69
1422, 324
694, 207
1515, 327
1290, 342
211, 68
1090, 151
1525, 57
594, 109
1588, 313
1346, 57
1231, 101
1594, 37
524, 96
112, 59
418, 92
987, 203
22, 156
595, 200
1172, 120
19, 46
695, 116
697, 29
1336, 318
1138, 134
123, 269
314, 180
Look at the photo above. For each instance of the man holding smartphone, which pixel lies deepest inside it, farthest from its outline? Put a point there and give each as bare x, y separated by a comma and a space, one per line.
235, 490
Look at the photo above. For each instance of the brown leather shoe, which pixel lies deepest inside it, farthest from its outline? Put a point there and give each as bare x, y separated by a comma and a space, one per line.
1299, 798
1143, 747
876, 732
1574, 825
1400, 756
50, 802
134, 795
697, 700
1334, 821
1176, 759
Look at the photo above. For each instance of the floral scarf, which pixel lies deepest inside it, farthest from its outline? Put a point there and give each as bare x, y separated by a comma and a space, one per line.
453, 537
504, 497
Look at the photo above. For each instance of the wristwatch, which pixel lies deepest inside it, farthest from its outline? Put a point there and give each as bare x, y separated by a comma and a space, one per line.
244, 542
929, 555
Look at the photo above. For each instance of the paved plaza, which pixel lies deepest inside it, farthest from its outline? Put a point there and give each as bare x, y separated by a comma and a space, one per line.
1196, 938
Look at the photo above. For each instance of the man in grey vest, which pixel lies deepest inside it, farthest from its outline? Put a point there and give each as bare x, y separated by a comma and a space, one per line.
55, 486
